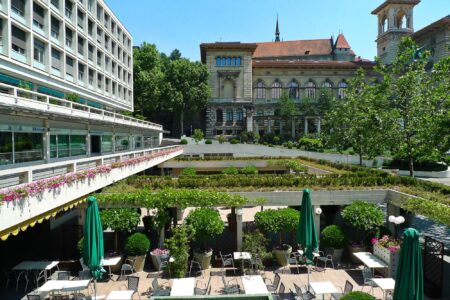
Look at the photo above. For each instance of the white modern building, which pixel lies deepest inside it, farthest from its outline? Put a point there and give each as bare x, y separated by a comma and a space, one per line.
66, 80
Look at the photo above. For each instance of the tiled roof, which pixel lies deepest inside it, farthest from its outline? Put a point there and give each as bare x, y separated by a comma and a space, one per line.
341, 42
293, 48
313, 64
441, 23
387, 2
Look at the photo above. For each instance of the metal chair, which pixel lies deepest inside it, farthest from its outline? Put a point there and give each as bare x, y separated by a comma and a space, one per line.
126, 268
227, 260
347, 289
231, 288
133, 284
202, 291
327, 257
280, 294
63, 275
24, 275
196, 266
60, 297
368, 276
34, 297
158, 290
292, 259
84, 275
303, 294
164, 263
273, 286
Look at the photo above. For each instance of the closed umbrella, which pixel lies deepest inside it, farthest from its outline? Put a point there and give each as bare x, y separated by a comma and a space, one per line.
306, 231
409, 276
93, 240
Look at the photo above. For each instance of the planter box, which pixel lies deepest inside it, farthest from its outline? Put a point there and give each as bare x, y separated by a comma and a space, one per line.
391, 259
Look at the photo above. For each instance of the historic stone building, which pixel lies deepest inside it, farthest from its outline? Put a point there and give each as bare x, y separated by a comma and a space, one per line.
247, 79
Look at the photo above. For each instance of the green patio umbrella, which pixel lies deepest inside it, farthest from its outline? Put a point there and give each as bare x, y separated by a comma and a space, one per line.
306, 230
409, 276
93, 240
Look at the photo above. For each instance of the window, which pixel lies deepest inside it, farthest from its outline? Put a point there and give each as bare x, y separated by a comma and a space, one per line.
293, 90
6, 150
107, 143
401, 20
341, 89
38, 16
28, 146
327, 85
56, 59
90, 28
81, 72
107, 81
90, 5
99, 81
276, 90
90, 52
39, 49
106, 42
122, 143
223, 61
113, 68
68, 10
233, 61
69, 66
77, 145
310, 90
239, 115
99, 35
18, 7
99, 12
69, 37
55, 28
19, 40
80, 17
260, 113
228, 61
99, 58
55, 3
238, 61
80, 45
229, 115
219, 116
91, 77
260, 90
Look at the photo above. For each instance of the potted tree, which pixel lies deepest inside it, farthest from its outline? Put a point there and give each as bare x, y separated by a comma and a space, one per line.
278, 221
136, 248
206, 224
255, 242
178, 245
363, 217
332, 236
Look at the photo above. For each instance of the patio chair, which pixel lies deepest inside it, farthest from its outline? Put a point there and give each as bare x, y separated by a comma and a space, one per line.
230, 288
227, 260
22, 275
196, 266
292, 259
85, 275
126, 268
158, 290
63, 275
256, 264
273, 286
60, 297
164, 263
280, 294
83, 266
34, 297
367, 277
326, 257
347, 289
202, 291
133, 284
303, 294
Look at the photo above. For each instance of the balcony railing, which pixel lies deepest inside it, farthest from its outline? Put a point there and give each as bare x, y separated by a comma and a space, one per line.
22, 98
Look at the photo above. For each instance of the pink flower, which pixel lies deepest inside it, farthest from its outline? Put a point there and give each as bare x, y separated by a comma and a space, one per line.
374, 240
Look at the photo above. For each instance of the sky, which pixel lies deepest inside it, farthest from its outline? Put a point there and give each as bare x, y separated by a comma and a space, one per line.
185, 24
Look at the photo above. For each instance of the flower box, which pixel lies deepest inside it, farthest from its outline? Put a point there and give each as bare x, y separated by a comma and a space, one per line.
390, 258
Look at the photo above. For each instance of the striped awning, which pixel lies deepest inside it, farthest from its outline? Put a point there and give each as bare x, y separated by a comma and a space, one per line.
38, 219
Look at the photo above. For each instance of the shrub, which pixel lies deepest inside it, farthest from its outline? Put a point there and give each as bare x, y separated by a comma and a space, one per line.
230, 171
276, 140
183, 142
289, 144
249, 170
255, 242
234, 141
178, 245
357, 296
80, 246
198, 135
244, 137
208, 142
332, 236
137, 244
277, 221
120, 219
221, 139
189, 171
206, 223
310, 144
256, 138
418, 165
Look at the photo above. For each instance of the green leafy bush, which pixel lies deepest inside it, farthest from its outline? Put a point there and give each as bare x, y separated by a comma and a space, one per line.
277, 221
332, 236
178, 245
255, 242
234, 141
183, 142
221, 139
230, 171
120, 219
137, 244
208, 142
363, 216
418, 165
276, 140
310, 144
189, 171
198, 135
249, 170
206, 223
357, 296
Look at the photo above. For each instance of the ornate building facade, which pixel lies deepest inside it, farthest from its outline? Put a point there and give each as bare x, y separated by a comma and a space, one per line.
247, 79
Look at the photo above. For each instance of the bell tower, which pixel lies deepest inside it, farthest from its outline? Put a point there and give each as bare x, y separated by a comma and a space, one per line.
395, 20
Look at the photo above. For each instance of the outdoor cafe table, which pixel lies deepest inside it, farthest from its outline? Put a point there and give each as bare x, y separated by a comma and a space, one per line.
183, 287
120, 295
254, 284
111, 261
323, 287
64, 286
242, 256
370, 260
386, 284
43, 265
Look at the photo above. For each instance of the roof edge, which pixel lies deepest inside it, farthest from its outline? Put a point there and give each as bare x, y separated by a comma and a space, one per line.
387, 2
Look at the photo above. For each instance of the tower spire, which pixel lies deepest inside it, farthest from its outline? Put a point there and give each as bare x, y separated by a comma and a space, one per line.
277, 32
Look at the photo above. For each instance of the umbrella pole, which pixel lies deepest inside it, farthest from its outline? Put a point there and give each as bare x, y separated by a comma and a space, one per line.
309, 271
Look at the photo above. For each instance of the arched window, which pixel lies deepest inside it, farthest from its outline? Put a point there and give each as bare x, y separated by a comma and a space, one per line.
384, 24
219, 116
238, 61
310, 90
218, 59
327, 85
293, 90
260, 90
229, 115
223, 61
341, 89
228, 61
276, 90
239, 115
401, 20
260, 113
233, 61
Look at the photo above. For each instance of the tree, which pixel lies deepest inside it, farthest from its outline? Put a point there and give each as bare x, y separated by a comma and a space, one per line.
186, 88
198, 135
359, 120
288, 109
419, 101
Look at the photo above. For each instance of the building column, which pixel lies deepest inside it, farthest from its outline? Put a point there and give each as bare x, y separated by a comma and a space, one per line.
306, 125
269, 127
316, 220
249, 120
318, 125
88, 140
46, 141
239, 213
293, 128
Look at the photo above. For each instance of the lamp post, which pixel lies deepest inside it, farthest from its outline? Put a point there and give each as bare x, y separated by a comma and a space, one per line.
397, 221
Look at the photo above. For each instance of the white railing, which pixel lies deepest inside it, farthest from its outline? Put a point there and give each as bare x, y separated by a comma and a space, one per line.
22, 175
25, 98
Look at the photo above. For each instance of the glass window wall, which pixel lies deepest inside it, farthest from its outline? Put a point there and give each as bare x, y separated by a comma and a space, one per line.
6, 148
28, 146
107, 143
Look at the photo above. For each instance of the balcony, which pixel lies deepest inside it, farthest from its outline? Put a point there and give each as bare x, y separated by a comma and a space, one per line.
230, 100
46, 193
